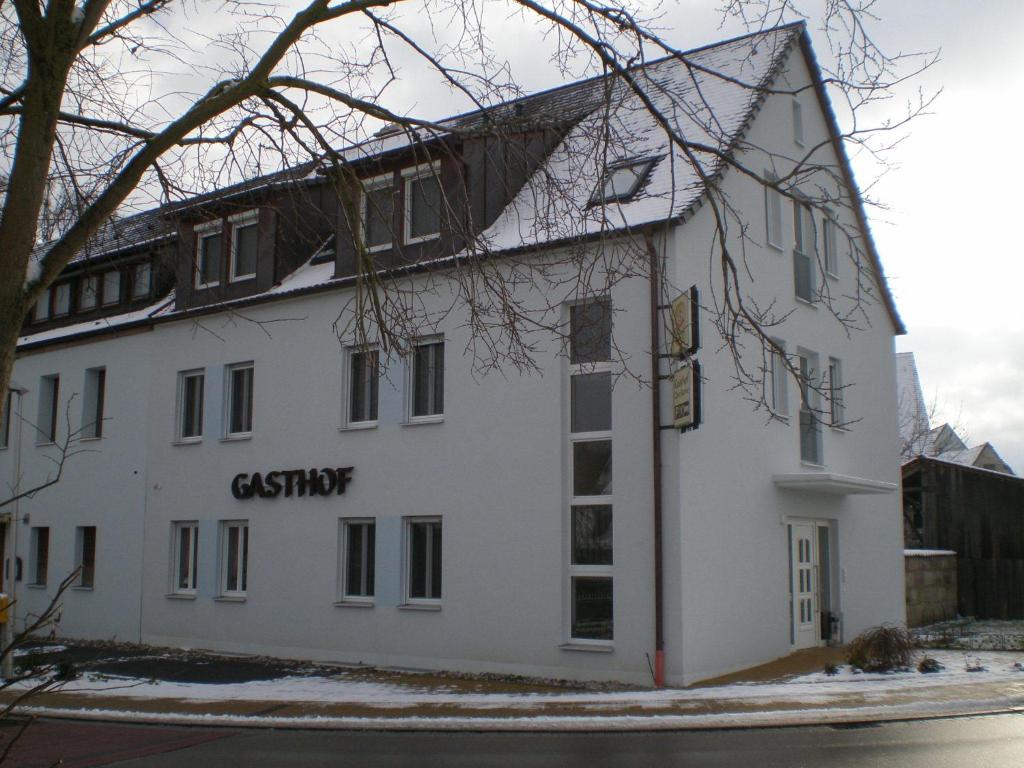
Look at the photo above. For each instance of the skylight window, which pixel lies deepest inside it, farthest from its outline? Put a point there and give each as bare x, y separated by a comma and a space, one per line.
621, 181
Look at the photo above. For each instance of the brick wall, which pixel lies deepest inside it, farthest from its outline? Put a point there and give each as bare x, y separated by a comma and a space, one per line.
931, 586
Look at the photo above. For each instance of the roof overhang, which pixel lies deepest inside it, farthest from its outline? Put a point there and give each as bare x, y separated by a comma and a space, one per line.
832, 483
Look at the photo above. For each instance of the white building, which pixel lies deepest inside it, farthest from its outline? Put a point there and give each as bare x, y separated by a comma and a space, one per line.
264, 483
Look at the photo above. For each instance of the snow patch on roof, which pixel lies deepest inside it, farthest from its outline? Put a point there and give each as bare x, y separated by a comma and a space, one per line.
157, 309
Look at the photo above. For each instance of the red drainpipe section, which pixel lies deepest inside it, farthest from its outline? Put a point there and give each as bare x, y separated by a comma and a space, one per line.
659, 591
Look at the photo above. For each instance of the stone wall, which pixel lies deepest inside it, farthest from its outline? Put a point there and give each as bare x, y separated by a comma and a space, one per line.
931, 586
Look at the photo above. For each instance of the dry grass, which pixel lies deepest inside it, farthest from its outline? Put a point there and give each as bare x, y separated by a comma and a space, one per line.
882, 649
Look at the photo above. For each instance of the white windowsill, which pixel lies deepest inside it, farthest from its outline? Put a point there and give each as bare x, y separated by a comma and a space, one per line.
420, 607
90, 439
412, 422
80, 588
204, 286
36, 586
230, 599
354, 603
236, 438
379, 248
47, 444
242, 278
187, 441
811, 465
583, 647
775, 247
832, 275
355, 426
180, 596
410, 240
806, 302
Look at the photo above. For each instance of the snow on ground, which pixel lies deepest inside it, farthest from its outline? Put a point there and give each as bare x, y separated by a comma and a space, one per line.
817, 688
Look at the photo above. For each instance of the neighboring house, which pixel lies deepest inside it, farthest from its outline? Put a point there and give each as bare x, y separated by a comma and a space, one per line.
253, 485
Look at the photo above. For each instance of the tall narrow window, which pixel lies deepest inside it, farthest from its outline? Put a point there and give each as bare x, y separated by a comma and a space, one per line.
85, 555
142, 278
61, 299
42, 307
828, 236
358, 543
190, 404
798, 122
423, 203
239, 400
93, 402
423, 559
185, 537
428, 379
244, 245
208, 258
5, 427
49, 409
379, 212
234, 558
803, 251
40, 552
363, 378
88, 292
810, 421
772, 211
837, 410
111, 288
590, 443
779, 380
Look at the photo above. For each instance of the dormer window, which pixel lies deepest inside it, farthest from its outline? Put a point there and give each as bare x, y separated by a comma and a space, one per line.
244, 245
88, 292
621, 181
378, 212
208, 253
142, 278
42, 310
111, 287
61, 299
422, 203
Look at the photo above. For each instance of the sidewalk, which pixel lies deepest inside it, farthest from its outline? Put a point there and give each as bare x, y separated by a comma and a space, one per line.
130, 683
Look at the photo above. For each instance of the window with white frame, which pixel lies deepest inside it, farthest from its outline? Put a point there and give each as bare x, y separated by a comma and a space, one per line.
49, 409
590, 444
779, 379
142, 278
190, 404
41, 312
363, 378
93, 401
837, 409
244, 245
85, 555
234, 557
622, 180
39, 543
423, 203
209, 241
427, 379
829, 244
378, 212
88, 292
772, 211
239, 399
810, 420
803, 250
111, 287
61, 299
798, 122
358, 541
5, 428
423, 559
184, 557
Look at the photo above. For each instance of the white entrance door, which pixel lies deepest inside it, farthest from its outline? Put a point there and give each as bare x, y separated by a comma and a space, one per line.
804, 588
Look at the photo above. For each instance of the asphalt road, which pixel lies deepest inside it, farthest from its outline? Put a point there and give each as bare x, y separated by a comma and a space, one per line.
995, 741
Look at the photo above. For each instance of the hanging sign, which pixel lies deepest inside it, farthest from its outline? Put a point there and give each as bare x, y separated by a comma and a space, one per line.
291, 482
685, 308
686, 396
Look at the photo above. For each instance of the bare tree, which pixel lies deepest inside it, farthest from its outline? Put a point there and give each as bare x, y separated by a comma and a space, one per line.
115, 101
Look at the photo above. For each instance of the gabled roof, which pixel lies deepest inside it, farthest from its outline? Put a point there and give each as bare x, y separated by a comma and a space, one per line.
119, 234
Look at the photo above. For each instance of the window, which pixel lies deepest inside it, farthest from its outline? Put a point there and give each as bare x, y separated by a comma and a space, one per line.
142, 278
428, 379
244, 245
837, 411
92, 402
234, 557
621, 181
42, 308
378, 212
423, 559
362, 386
208, 253
423, 204
185, 556
39, 541
798, 122
772, 211
239, 400
49, 408
85, 555
358, 555
590, 443
111, 288
810, 423
61, 299
779, 400
88, 292
803, 250
828, 236
5, 427
190, 405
